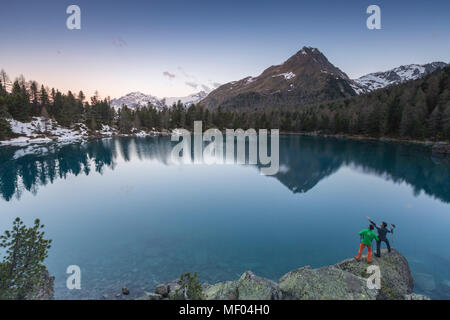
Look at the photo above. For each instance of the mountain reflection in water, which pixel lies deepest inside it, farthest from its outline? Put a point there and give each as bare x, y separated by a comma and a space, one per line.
304, 162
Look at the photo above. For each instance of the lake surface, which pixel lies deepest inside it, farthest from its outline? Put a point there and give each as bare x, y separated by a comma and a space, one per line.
118, 209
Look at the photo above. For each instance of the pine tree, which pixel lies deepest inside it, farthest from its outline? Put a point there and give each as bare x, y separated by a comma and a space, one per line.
22, 269
19, 104
5, 127
4, 80
34, 99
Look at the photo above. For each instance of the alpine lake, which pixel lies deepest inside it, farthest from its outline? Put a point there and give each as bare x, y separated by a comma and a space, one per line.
128, 217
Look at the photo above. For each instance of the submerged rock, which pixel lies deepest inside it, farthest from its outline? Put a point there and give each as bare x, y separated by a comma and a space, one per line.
425, 281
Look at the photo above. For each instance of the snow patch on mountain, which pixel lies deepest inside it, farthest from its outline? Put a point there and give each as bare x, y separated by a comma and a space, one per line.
187, 101
135, 100
286, 75
378, 80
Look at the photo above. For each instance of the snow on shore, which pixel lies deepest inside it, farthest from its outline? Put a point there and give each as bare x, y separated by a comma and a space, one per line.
41, 130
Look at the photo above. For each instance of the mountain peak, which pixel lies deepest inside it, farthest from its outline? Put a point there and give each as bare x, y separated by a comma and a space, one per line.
310, 60
309, 50
299, 80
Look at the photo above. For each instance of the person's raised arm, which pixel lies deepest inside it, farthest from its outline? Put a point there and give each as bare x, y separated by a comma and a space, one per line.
392, 228
371, 222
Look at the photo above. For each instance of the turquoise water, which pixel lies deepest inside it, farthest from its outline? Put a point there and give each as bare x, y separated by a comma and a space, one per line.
118, 209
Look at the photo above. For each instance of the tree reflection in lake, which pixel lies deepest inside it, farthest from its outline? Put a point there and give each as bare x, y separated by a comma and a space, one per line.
304, 161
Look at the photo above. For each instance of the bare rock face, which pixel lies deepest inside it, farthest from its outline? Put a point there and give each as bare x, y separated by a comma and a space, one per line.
252, 287
248, 287
327, 283
222, 291
396, 278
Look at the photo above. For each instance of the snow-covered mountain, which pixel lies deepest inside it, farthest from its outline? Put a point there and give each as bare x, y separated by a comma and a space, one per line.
136, 99
378, 80
139, 99
187, 101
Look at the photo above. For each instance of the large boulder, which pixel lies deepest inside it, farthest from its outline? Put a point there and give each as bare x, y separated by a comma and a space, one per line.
170, 290
346, 280
396, 278
327, 283
162, 289
252, 287
222, 291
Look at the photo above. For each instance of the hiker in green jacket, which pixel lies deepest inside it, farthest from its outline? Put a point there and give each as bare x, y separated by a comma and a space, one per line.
367, 236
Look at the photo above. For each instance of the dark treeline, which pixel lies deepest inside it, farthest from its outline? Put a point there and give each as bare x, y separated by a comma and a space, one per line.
418, 109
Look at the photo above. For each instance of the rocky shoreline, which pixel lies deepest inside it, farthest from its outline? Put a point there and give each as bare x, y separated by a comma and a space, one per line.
346, 280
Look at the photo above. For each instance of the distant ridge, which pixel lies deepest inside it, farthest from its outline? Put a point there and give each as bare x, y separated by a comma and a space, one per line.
378, 80
138, 99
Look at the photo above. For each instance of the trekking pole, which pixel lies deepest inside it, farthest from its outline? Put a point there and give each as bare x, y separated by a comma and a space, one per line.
393, 227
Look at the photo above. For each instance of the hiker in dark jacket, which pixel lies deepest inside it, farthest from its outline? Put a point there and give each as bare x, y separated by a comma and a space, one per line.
382, 235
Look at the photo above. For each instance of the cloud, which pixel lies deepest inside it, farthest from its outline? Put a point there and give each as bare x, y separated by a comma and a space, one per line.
192, 84
216, 84
206, 88
119, 42
184, 73
168, 75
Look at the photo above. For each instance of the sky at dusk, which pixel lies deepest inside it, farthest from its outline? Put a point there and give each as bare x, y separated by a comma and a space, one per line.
178, 47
